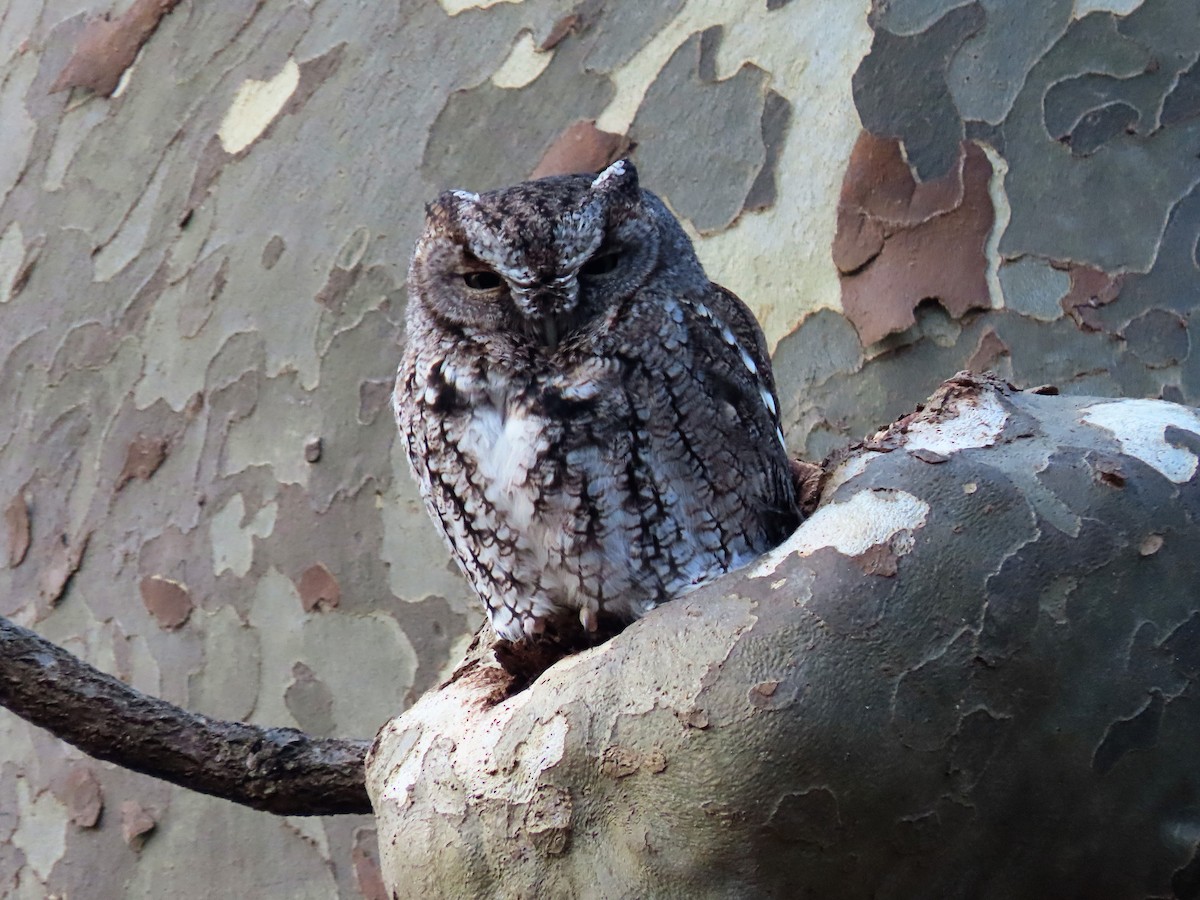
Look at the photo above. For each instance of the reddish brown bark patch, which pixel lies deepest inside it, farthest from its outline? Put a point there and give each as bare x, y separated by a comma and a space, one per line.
879, 560
761, 693
1090, 289
1109, 472
336, 289
562, 27
581, 148
169, 602
81, 794
16, 522
108, 47
900, 242
988, 352
318, 587
365, 858
142, 459
136, 824
64, 561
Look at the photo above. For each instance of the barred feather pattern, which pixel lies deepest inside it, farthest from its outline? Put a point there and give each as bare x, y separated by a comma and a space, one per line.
593, 424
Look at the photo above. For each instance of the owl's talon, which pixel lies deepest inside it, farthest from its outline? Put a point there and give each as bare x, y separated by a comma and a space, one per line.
533, 626
588, 619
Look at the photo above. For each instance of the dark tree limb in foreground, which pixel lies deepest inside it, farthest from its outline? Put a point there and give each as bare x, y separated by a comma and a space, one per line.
277, 770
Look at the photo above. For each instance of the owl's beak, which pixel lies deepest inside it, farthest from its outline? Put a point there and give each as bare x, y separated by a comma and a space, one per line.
548, 305
545, 309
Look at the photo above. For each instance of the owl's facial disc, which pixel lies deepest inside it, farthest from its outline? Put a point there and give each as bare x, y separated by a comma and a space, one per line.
542, 288
544, 306
547, 256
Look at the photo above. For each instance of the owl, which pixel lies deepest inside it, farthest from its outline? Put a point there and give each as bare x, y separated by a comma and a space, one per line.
593, 423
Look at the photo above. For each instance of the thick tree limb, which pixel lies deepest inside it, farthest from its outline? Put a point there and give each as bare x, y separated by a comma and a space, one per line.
277, 770
974, 671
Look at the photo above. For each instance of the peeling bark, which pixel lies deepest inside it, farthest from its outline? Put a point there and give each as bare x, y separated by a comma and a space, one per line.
277, 770
108, 47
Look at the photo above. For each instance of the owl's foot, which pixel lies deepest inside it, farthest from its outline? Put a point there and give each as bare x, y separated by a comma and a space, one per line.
534, 643
533, 625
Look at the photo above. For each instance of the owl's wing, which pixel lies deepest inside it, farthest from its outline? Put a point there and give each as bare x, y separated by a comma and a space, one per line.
741, 321
708, 451
730, 355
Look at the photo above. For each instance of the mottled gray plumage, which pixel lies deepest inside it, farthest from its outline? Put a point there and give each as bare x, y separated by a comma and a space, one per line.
592, 422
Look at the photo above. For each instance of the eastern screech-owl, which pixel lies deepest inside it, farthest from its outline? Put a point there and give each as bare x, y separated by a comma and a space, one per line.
593, 423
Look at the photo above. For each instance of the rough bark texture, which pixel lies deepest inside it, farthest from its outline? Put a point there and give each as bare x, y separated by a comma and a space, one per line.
972, 673
201, 290
277, 770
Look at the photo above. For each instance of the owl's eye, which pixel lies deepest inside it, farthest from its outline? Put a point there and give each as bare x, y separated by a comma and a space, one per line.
482, 281
602, 263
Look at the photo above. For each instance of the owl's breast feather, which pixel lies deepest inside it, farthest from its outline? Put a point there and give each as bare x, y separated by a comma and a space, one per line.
506, 449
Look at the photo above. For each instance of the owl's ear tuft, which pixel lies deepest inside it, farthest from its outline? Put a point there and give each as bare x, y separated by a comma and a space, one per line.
451, 203
448, 207
619, 178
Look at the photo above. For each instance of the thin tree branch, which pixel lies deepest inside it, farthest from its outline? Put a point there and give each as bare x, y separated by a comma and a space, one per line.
277, 770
